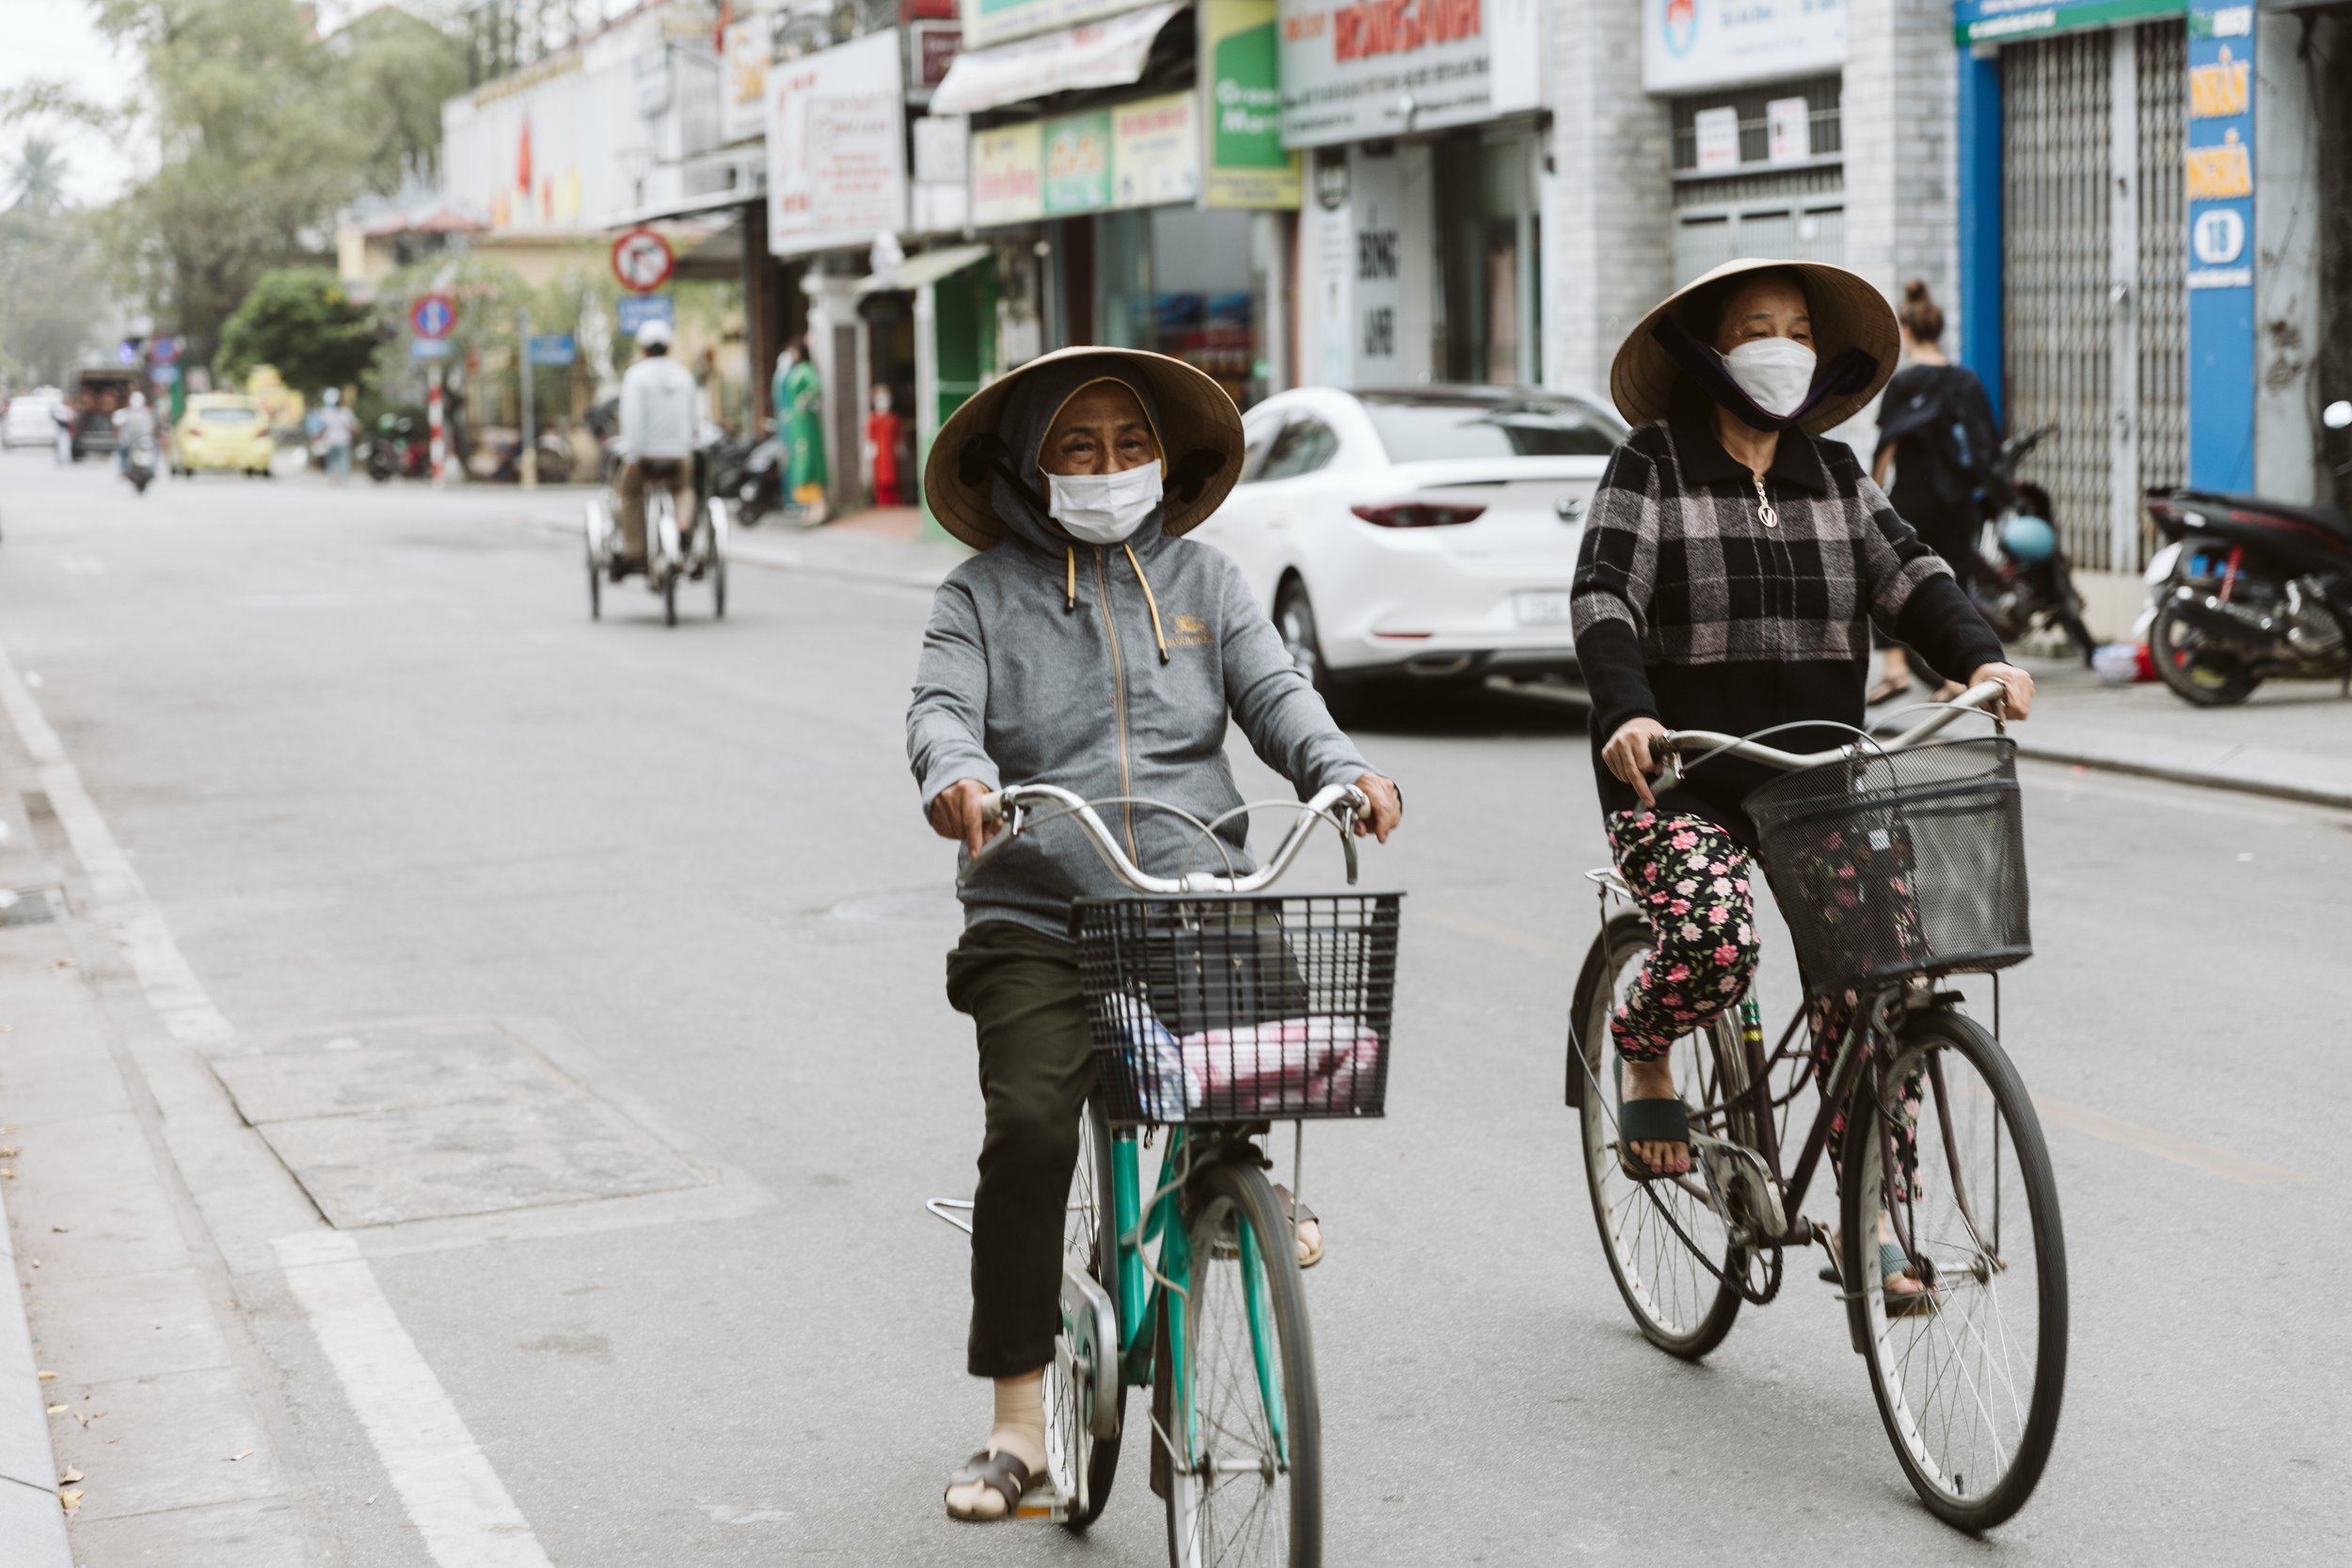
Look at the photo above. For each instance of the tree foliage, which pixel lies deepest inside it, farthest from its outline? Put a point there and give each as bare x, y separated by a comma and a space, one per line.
50, 299
300, 320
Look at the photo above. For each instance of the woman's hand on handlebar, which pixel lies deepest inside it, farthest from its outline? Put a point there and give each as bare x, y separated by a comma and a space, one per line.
2017, 699
956, 813
1385, 810
1632, 754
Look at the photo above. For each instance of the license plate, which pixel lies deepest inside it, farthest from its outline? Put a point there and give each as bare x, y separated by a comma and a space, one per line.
1548, 608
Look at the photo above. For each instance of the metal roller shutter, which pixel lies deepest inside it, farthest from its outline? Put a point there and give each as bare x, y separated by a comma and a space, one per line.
2163, 47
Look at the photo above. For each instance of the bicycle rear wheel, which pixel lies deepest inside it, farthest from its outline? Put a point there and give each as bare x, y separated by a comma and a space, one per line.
1244, 1483
1091, 1243
1668, 1247
1969, 1391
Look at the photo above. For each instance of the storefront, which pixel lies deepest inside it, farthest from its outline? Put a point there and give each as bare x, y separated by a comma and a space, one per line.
1422, 236
1153, 204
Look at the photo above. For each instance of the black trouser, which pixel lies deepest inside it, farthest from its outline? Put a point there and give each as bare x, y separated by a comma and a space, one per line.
1020, 987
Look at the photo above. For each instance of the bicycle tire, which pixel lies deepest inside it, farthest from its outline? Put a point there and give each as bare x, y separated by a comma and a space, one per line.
1684, 1309
1090, 1228
1230, 1195
1966, 1277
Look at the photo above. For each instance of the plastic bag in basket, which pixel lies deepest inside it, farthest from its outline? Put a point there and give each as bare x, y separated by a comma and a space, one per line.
1298, 1063
1167, 1086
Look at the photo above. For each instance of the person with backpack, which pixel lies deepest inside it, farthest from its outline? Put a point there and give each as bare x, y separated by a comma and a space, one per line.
1938, 434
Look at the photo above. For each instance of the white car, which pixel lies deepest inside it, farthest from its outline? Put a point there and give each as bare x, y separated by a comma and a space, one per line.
29, 421
1428, 532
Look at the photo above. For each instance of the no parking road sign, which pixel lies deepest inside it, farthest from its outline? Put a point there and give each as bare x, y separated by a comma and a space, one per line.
643, 261
433, 317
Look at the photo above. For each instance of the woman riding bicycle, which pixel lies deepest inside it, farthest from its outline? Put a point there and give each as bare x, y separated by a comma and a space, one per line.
1089, 646
1732, 564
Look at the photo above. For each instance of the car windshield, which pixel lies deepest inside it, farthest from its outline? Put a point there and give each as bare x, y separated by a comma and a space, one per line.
1431, 429
228, 416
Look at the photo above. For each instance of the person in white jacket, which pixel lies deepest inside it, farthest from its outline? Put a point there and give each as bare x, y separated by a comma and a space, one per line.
657, 405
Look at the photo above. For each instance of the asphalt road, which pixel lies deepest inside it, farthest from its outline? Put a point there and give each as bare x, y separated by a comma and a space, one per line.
374, 763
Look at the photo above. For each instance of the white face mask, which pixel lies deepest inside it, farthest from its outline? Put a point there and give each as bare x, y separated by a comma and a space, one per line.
1776, 372
1104, 509
882, 403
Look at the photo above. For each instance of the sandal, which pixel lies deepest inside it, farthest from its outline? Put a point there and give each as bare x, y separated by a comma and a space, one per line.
1647, 1122
1002, 1474
1301, 1215
1893, 1262
1887, 691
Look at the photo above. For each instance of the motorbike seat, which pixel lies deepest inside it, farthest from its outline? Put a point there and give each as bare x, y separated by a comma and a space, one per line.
2328, 519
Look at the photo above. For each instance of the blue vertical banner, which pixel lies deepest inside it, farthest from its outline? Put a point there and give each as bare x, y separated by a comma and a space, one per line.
2220, 190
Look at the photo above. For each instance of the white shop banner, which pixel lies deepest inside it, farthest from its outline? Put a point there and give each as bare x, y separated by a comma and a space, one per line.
836, 147
1356, 69
1690, 44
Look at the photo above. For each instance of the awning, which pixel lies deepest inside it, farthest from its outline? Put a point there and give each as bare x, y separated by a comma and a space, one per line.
916, 270
706, 204
1100, 54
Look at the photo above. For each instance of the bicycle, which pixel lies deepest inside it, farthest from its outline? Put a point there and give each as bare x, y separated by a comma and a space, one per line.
1896, 865
1216, 1012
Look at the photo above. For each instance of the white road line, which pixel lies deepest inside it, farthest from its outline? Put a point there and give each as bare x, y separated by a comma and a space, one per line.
456, 1500
458, 1503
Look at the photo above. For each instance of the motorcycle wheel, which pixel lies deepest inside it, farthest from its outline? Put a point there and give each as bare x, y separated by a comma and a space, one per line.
2198, 671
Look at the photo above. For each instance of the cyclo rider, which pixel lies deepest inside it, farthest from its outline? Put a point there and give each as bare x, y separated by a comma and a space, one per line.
657, 409
1732, 563
1090, 646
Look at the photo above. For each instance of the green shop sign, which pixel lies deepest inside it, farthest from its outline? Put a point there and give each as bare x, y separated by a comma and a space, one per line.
1077, 155
1241, 68
1996, 21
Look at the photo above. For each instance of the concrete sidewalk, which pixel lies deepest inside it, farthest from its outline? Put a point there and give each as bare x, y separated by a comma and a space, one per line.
2293, 741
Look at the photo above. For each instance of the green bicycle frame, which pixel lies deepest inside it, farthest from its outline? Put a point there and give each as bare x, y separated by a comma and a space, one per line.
1143, 1297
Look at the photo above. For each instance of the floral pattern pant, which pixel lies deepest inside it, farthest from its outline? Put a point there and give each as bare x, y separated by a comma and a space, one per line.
1691, 880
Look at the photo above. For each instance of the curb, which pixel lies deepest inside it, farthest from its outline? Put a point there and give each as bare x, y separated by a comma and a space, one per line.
32, 1520
2339, 797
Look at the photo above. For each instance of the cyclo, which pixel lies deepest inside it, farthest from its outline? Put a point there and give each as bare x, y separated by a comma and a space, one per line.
692, 549
1897, 867
1217, 1011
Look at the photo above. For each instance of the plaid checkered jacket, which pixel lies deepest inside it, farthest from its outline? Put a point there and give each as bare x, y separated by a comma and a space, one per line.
1704, 605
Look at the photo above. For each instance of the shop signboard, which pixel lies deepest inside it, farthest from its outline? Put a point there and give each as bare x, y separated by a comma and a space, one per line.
1155, 152
1690, 44
1717, 132
836, 147
1241, 63
1008, 166
987, 23
943, 174
744, 79
1788, 130
2220, 192
1356, 69
1077, 151
2006, 20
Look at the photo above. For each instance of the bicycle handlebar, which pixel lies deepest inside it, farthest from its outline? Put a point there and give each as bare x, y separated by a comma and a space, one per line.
1012, 804
1716, 744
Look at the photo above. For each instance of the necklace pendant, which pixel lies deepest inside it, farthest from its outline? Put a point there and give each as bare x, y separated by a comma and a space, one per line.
1765, 512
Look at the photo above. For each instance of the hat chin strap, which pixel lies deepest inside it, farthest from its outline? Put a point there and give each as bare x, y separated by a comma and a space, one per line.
1849, 372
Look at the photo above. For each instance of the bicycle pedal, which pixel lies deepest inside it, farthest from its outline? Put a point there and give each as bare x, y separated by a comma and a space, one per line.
1042, 1504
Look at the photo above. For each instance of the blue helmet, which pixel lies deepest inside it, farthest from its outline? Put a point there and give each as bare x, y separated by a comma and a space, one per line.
2030, 539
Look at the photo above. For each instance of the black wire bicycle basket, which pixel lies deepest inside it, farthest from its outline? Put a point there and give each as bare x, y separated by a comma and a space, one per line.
1239, 1008
1899, 863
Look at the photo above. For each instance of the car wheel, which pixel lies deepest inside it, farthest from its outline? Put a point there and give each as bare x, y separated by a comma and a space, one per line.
1295, 619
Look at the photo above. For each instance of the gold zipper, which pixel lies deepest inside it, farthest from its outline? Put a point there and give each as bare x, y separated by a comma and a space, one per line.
1765, 512
1118, 702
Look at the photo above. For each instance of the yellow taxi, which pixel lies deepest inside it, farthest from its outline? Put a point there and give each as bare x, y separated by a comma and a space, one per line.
227, 431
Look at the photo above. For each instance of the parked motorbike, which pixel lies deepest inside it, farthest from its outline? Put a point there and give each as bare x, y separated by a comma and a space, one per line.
554, 465
750, 474
399, 449
138, 464
2258, 590
2023, 579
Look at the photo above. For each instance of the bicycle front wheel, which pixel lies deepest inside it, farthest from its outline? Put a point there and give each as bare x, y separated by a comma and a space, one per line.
1242, 1423
1666, 1241
1082, 1465
1969, 1386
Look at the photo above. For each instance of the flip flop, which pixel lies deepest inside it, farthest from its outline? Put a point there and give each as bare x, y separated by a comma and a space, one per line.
1305, 1215
1645, 1121
1002, 1474
1885, 691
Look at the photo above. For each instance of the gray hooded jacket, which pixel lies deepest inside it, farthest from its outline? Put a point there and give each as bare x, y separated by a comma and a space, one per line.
1109, 671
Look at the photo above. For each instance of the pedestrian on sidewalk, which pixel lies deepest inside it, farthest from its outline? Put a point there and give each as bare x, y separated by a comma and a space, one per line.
883, 430
1076, 477
1732, 565
1938, 434
800, 410
338, 425
61, 414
